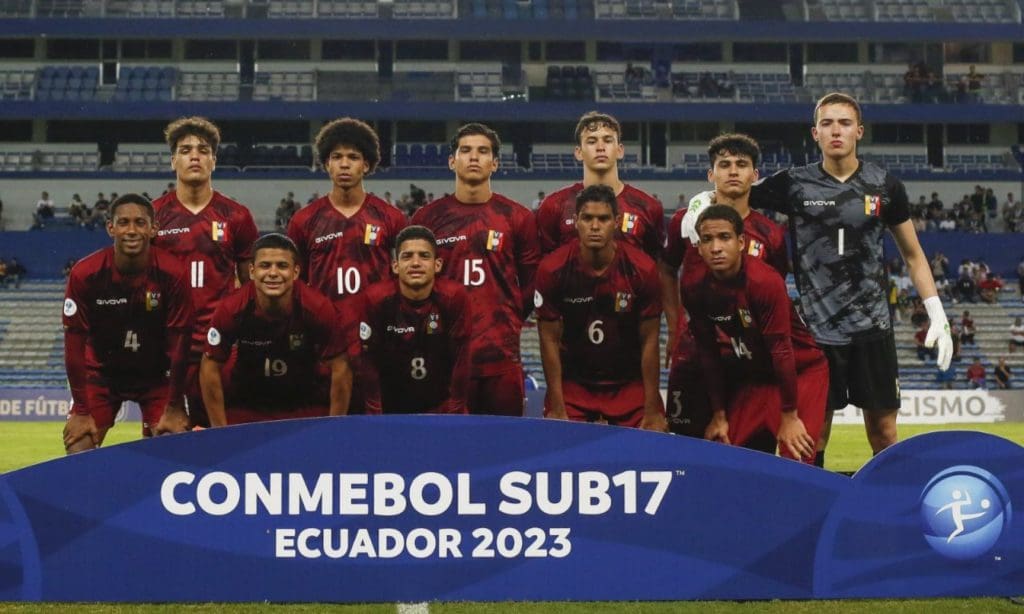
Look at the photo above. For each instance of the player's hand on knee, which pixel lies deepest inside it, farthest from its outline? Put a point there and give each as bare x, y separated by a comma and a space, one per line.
80, 433
173, 420
718, 428
793, 435
654, 422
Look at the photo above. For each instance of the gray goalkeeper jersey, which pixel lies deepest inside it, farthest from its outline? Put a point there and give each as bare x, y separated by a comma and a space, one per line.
836, 228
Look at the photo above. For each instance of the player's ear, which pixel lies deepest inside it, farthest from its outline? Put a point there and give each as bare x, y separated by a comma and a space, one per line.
394, 266
860, 131
437, 265
451, 162
757, 174
711, 170
110, 227
578, 153
620, 150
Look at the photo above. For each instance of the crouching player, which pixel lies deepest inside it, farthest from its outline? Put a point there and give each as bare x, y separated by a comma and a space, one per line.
280, 330
127, 319
778, 378
598, 309
415, 332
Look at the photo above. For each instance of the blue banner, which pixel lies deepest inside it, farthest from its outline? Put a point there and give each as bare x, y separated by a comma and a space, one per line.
49, 405
419, 508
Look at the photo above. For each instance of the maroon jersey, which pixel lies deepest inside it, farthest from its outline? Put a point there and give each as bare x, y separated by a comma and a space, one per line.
211, 243
415, 354
600, 314
341, 256
765, 239
127, 319
274, 366
641, 222
768, 340
491, 249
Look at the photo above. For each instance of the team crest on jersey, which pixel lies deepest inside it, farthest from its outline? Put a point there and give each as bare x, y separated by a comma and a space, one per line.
872, 205
630, 223
746, 321
152, 300
494, 240
371, 236
623, 301
70, 307
756, 249
219, 231
433, 323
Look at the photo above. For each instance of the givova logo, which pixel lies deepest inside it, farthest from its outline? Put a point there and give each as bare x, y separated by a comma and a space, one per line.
964, 512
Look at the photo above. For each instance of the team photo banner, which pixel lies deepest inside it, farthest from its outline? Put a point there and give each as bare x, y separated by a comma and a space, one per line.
452, 508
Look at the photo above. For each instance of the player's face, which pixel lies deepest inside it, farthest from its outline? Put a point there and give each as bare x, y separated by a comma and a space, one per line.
733, 175
720, 247
416, 264
193, 160
273, 270
595, 225
473, 160
837, 130
599, 149
132, 229
346, 166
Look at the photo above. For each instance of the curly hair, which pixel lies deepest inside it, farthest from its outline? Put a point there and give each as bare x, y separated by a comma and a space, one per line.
352, 132
192, 126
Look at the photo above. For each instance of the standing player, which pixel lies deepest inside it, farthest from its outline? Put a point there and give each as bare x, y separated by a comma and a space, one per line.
599, 309
208, 231
345, 238
734, 159
127, 320
599, 147
777, 376
488, 243
838, 211
415, 333
280, 330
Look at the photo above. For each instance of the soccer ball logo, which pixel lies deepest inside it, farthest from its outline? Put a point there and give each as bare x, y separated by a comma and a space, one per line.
964, 512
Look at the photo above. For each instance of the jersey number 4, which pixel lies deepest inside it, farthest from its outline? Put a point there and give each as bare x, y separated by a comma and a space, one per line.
131, 341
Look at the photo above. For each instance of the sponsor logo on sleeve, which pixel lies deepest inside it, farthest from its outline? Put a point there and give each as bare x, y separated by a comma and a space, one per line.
364, 331
70, 307
213, 336
538, 300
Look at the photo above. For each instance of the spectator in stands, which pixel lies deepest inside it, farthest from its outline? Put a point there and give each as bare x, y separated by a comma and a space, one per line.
978, 199
988, 288
388, 199
282, 215
976, 223
3, 273
919, 221
417, 195
169, 188
15, 272
991, 203
1016, 336
973, 79
954, 332
976, 374
101, 203
681, 202
537, 201
945, 378
924, 353
67, 267
315, 195
935, 205
914, 82
1003, 374
966, 290
940, 266
1020, 278
1011, 209
946, 222
44, 210
934, 89
77, 210
967, 329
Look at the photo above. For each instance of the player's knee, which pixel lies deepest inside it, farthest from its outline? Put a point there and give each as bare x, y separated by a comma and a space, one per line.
881, 429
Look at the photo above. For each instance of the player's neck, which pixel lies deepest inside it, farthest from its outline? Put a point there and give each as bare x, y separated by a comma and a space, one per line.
731, 274
415, 294
131, 265
609, 178
598, 259
841, 168
473, 194
275, 306
194, 197
740, 204
348, 201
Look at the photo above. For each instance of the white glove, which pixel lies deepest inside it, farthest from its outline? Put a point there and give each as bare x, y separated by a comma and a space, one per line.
697, 205
938, 332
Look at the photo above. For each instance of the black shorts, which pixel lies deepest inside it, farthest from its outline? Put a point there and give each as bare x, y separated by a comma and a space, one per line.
864, 373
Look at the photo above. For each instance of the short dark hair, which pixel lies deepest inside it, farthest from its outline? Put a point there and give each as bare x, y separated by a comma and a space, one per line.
355, 133
476, 128
131, 199
736, 144
592, 120
721, 212
412, 233
275, 240
597, 193
192, 126
838, 98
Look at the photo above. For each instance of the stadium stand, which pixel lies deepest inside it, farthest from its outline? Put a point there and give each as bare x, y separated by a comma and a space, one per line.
31, 339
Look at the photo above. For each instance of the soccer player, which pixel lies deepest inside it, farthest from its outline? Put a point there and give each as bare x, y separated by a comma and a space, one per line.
777, 376
488, 243
415, 333
266, 341
208, 231
127, 321
598, 139
345, 237
734, 159
838, 211
598, 313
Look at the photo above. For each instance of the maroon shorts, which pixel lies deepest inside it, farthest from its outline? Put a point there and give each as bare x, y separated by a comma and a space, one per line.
244, 415
686, 403
618, 404
502, 394
104, 403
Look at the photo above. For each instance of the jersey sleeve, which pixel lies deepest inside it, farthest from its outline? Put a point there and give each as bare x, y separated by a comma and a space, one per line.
180, 313
458, 342
527, 258
675, 242
245, 237
366, 342
297, 233
221, 335
75, 315
649, 295
655, 241
898, 210
778, 255
772, 193
706, 345
549, 220
546, 294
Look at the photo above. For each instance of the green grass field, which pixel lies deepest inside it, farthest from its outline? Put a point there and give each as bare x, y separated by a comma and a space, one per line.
28, 443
